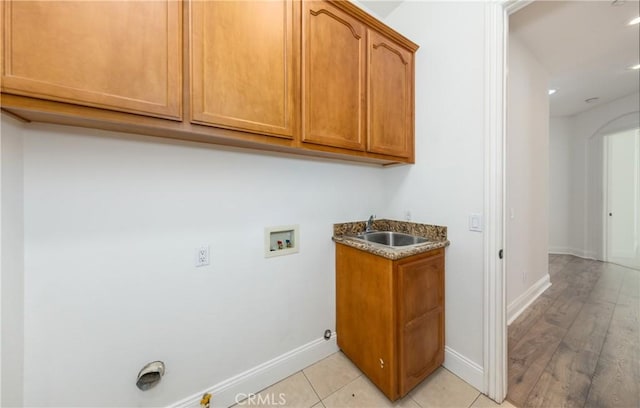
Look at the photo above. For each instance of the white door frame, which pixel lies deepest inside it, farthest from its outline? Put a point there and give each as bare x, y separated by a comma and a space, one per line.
605, 198
495, 322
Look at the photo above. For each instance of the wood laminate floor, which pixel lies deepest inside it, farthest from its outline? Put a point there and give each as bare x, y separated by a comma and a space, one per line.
578, 344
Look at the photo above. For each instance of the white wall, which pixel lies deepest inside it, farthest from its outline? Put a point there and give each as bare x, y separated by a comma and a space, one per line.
446, 184
112, 222
590, 127
12, 263
560, 161
111, 227
584, 195
527, 182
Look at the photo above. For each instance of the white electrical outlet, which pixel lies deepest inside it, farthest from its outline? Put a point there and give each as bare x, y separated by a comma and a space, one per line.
202, 256
407, 215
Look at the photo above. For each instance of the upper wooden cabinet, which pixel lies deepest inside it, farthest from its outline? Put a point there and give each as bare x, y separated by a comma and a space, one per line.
318, 78
117, 55
390, 97
333, 77
357, 83
244, 65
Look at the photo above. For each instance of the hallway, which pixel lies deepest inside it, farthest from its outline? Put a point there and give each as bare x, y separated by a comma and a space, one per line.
578, 344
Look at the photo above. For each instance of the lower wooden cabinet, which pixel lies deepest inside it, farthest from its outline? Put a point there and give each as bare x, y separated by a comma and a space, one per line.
390, 316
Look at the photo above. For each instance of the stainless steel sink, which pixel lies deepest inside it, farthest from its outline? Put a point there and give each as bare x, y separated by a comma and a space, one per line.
390, 238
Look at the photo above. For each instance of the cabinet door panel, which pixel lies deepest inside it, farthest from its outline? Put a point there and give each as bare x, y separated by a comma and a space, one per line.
423, 345
243, 65
421, 318
390, 97
119, 55
365, 318
423, 286
333, 52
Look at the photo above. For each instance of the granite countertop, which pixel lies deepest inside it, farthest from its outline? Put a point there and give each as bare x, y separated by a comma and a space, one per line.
437, 236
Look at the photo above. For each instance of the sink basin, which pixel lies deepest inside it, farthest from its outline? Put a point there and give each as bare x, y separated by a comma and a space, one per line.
392, 239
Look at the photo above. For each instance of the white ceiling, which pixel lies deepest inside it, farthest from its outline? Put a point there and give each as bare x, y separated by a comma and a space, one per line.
586, 46
381, 7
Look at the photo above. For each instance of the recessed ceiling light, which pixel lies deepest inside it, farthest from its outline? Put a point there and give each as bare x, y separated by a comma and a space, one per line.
591, 100
637, 66
552, 91
635, 21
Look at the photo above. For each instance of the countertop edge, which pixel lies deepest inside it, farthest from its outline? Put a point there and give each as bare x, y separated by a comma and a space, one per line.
390, 252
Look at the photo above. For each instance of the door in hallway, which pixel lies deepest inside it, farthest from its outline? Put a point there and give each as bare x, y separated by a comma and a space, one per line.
622, 197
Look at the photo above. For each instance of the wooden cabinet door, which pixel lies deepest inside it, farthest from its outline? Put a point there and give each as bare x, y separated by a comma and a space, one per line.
390, 97
333, 77
421, 318
118, 55
244, 65
365, 316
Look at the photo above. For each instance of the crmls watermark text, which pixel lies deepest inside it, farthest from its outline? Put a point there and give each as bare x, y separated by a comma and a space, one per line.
261, 399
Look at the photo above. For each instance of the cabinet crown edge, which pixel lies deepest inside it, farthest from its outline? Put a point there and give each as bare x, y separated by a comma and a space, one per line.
375, 23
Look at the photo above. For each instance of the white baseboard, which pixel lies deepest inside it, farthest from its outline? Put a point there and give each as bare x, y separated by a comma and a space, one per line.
515, 308
591, 255
464, 368
260, 377
566, 251
572, 251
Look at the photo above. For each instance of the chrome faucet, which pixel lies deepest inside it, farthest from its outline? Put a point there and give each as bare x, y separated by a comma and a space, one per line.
369, 225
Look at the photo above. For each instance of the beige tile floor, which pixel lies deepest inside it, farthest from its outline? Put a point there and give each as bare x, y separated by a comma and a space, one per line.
336, 382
